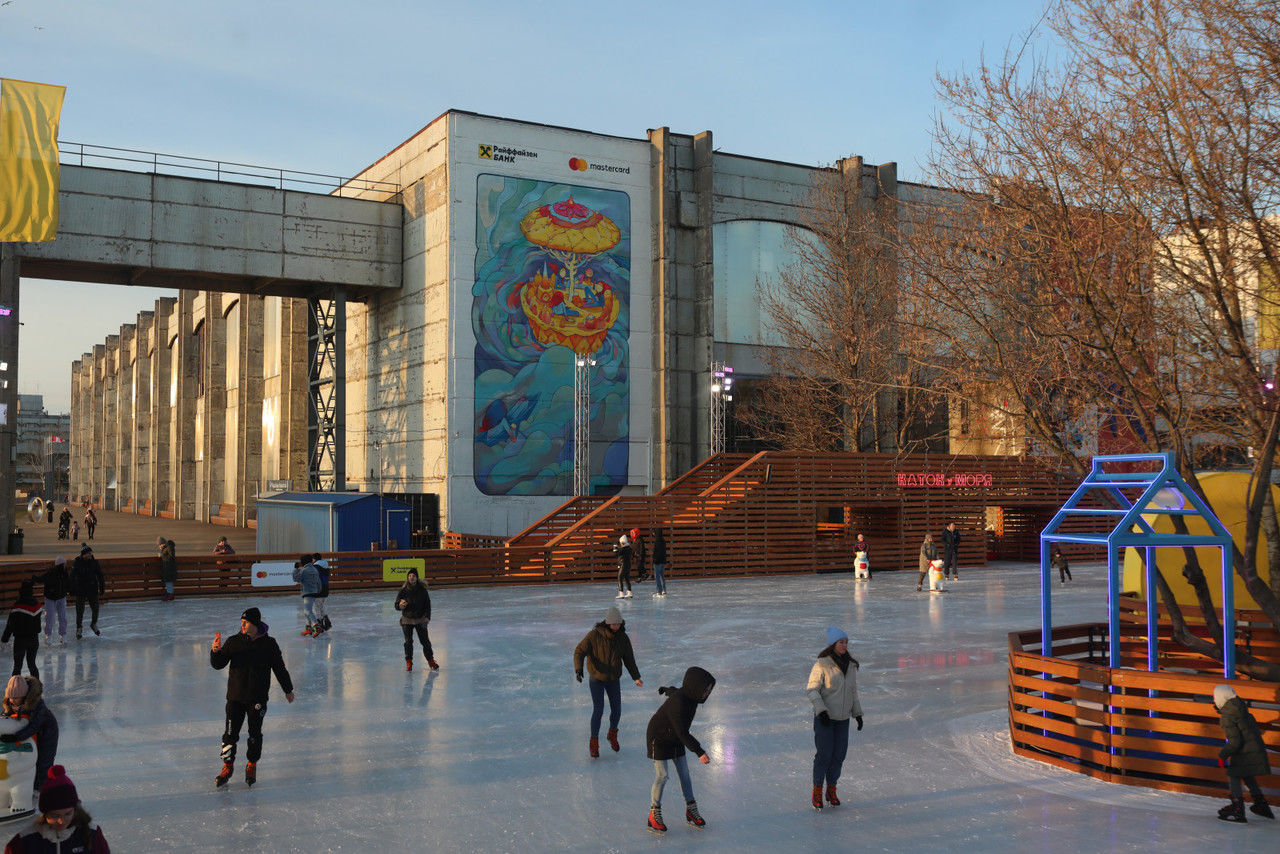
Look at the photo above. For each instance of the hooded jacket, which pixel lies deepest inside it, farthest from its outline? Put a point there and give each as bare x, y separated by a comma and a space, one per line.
24, 620
86, 576
834, 689
1244, 751
928, 554
606, 653
82, 836
252, 661
668, 733
416, 609
309, 578
55, 582
41, 726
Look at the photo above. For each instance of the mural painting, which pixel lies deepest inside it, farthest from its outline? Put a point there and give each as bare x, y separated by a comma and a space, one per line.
552, 284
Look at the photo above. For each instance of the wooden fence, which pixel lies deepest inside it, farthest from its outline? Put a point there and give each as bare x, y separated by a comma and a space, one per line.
1123, 725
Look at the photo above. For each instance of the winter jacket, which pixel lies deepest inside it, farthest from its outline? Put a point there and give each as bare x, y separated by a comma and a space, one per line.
623, 550
834, 689
951, 540
660, 549
23, 622
81, 837
640, 552
169, 562
308, 577
86, 577
606, 653
928, 554
668, 733
41, 726
1059, 562
416, 609
252, 661
322, 570
1244, 751
55, 582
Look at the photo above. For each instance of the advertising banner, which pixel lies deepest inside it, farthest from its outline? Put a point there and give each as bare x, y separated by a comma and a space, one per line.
272, 573
395, 569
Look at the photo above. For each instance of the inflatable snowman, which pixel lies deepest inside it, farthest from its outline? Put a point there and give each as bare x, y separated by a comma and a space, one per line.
936, 577
17, 772
861, 567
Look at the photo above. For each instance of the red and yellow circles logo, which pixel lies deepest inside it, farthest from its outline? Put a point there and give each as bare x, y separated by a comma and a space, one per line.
577, 164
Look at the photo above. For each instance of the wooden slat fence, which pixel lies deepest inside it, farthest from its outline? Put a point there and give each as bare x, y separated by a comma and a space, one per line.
1158, 730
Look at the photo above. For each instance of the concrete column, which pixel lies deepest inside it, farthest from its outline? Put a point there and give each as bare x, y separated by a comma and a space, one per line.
111, 422
144, 459
182, 454
9, 274
126, 418
162, 425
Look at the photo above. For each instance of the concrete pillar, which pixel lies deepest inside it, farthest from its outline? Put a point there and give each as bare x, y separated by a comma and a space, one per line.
9, 274
126, 418
144, 460
110, 419
183, 448
162, 426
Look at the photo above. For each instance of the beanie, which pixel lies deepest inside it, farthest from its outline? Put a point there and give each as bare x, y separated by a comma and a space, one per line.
59, 792
253, 615
834, 634
16, 689
613, 615
1221, 694
59, 561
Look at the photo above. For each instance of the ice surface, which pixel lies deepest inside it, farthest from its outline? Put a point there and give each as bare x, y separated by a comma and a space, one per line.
490, 753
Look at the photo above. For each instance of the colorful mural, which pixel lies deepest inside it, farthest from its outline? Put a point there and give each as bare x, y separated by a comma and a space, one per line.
552, 282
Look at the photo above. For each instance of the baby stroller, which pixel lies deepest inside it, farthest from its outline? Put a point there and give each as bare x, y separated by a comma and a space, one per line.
64, 529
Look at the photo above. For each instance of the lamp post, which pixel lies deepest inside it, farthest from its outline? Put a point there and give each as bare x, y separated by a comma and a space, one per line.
582, 366
721, 394
377, 444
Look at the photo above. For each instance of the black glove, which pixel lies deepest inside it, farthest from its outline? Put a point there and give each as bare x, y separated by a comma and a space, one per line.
824, 718
578, 676
7, 738
859, 720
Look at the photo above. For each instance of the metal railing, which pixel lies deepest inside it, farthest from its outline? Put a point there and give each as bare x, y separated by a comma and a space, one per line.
223, 170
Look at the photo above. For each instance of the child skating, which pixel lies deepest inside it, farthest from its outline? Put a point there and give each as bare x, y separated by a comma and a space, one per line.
668, 736
1244, 755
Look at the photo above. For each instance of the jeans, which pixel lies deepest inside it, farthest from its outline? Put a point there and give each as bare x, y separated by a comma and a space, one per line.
25, 648
423, 638
951, 562
92, 600
832, 743
54, 607
660, 780
598, 690
660, 577
309, 609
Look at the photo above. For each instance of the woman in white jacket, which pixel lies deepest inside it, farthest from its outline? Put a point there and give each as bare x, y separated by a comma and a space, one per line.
833, 690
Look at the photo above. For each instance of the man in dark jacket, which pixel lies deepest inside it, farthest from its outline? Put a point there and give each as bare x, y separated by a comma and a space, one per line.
253, 657
667, 737
55, 581
87, 584
606, 650
1244, 755
951, 552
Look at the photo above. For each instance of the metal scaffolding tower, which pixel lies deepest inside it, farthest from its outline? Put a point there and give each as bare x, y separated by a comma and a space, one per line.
582, 367
721, 394
327, 384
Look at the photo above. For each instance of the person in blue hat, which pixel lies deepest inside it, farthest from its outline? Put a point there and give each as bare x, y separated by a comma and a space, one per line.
833, 691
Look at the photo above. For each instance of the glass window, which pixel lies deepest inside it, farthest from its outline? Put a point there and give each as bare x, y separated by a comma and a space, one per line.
747, 253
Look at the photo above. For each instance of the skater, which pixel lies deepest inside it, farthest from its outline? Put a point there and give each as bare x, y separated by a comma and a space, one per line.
606, 650
640, 551
861, 559
23, 699
253, 656
23, 626
413, 601
55, 581
668, 736
90, 523
951, 552
928, 554
222, 547
1064, 569
1244, 755
833, 691
87, 584
304, 573
167, 551
660, 563
623, 550
63, 824
322, 598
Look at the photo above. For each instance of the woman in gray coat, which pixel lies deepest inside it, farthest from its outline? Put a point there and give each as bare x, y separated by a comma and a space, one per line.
1244, 755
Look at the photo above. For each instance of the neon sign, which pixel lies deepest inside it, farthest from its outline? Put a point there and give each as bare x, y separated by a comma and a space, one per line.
935, 480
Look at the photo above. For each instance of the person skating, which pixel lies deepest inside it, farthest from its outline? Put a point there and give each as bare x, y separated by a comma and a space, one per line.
639, 554
833, 691
1244, 755
413, 601
90, 523
167, 551
660, 563
63, 826
951, 552
304, 573
253, 656
87, 584
606, 650
623, 550
23, 626
24, 699
667, 737
928, 554
56, 581
322, 598
1060, 562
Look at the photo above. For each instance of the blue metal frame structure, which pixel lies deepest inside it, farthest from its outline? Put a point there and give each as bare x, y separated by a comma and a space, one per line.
1131, 529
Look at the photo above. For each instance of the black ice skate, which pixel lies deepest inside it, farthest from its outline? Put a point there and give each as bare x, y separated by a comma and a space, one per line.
224, 775
692, 815
251, 773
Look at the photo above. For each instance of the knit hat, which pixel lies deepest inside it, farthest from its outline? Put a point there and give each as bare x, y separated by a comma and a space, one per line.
16, 689
613, 616
59, 561
253, 615
59, 792
834, 634
85, 548
1221, 694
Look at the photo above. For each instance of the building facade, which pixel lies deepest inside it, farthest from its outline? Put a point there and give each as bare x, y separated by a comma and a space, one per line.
42, 450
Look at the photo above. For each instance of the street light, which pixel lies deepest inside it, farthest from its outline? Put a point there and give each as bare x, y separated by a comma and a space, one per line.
721, 394
582, 366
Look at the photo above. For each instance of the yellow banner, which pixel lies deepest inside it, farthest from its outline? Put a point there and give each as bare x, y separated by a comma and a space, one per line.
395, 569
29, 114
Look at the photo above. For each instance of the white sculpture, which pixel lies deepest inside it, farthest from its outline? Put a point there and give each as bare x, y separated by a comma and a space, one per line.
17, 772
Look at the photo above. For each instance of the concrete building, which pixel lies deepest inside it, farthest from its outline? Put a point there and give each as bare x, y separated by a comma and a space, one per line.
42, 449
533, 255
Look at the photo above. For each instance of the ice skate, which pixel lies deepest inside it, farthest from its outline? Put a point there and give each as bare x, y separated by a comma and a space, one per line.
408, 664
79, 634
93, 627
655, 821
817, 798
593, 747
224, 775
692, 815
1233, 811
328, 624
308, 631
621, 595
431, 662
251, 773
831, 795
1263, 809
628, 594
612, 735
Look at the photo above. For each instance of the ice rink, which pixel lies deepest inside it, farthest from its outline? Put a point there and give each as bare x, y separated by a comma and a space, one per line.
490, 754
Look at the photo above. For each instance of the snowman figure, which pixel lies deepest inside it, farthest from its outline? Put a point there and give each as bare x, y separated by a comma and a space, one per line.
861, 567
17, 771
936, 577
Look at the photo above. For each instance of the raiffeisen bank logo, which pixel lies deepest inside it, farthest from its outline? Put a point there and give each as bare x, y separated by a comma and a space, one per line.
503, 153
577, 164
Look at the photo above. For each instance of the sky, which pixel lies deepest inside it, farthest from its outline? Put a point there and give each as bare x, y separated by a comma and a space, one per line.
330, 87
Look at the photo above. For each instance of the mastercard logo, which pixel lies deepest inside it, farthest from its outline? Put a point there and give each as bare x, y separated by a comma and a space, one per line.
262, 573
577, 164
